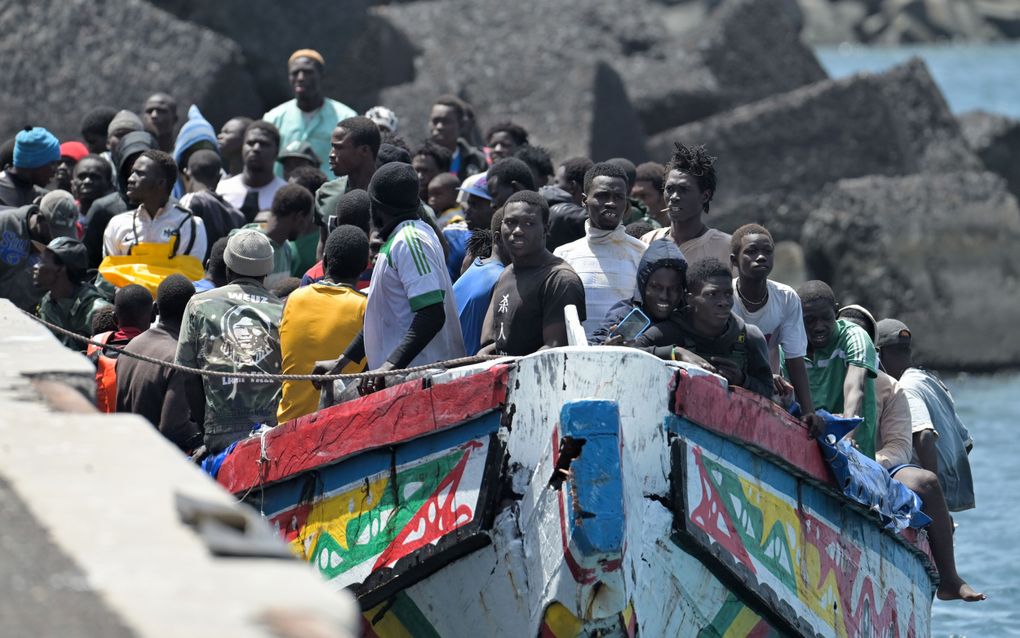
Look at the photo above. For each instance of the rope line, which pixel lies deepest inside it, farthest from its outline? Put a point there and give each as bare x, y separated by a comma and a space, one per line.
262, 376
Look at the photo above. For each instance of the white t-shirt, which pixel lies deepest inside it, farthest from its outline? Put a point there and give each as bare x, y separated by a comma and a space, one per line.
234, 190
410, 274
134, 226
780, 320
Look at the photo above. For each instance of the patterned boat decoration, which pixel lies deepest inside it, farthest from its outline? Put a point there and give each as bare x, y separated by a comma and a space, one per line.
581, 492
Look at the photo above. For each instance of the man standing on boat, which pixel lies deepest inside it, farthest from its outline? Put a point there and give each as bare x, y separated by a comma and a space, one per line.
310, 116
236, 328
526, 311
689, 187
770, 306
410, 319
606, 258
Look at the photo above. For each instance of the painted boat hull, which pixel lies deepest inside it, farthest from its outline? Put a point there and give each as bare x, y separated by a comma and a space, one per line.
581, 491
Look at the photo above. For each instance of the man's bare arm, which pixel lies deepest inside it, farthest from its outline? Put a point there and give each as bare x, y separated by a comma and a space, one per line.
853, 391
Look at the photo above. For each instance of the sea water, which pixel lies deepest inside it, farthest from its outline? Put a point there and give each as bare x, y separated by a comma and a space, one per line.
985, 77
972, 77
987, 537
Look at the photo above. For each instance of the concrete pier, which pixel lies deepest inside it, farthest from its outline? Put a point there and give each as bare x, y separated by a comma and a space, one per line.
93, 543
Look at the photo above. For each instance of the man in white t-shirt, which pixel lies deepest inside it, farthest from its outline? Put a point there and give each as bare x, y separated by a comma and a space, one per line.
411, 315
688, 191
772, 307
253, 189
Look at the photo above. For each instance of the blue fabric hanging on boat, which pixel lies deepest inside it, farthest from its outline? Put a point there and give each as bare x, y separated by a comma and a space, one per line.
865, 481
211, 464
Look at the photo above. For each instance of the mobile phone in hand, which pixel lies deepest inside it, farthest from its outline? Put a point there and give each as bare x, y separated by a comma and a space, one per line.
632, 326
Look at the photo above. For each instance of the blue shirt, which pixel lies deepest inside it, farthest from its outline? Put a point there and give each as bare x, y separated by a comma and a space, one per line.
473, 291
457, 236
203, 285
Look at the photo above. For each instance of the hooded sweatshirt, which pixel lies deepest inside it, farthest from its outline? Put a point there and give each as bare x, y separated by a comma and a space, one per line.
112, 204
662, 253
607, 263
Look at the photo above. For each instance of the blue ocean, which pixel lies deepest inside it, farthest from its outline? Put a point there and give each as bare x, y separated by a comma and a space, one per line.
972, 77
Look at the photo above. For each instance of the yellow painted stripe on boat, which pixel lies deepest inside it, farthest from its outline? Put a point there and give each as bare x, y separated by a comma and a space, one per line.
389, 626
742, 624
561, 622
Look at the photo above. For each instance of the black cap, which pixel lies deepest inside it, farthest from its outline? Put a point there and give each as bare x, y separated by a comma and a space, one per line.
72, 253
389, 153
301, 150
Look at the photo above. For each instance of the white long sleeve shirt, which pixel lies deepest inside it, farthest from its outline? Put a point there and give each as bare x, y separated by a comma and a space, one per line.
136, 226
607, 263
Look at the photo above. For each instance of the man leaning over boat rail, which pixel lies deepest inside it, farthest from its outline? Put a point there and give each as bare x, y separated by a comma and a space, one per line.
842, 368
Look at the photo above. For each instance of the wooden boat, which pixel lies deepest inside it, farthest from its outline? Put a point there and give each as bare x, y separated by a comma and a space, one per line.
581, 491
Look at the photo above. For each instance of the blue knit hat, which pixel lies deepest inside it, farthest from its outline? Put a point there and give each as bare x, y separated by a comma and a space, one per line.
196, 129
35, 147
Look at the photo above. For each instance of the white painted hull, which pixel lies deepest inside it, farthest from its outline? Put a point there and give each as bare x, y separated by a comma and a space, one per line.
654, 526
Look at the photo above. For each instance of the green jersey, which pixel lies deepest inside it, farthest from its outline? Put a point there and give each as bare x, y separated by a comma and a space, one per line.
74, 313
235, 328
826, 369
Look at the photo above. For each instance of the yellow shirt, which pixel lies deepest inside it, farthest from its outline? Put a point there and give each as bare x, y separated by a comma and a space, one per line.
319, 322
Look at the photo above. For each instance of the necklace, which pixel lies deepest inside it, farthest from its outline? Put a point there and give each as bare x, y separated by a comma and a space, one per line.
748, 302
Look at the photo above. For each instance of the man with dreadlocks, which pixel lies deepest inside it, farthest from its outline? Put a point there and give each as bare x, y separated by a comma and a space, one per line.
688, 191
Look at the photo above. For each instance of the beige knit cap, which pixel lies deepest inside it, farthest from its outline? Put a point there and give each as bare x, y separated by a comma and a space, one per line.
249, 253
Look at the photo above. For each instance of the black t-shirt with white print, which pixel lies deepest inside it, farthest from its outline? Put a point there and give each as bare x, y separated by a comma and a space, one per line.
526, 300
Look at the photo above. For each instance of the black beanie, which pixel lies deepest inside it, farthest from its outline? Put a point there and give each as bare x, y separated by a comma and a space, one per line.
394, 190
389, 153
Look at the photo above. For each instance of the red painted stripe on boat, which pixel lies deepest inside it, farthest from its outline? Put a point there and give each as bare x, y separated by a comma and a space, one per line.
394, 415
745, 416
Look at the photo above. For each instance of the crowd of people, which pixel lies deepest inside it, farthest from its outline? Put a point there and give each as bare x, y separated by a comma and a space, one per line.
318, 240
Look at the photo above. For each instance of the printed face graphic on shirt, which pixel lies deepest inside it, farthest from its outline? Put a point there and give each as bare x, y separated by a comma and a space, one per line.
245, 340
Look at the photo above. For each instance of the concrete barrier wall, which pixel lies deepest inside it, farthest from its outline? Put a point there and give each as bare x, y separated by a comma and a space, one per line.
93, 543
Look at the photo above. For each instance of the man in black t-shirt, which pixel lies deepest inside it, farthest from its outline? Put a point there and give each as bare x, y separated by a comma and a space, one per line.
526, 312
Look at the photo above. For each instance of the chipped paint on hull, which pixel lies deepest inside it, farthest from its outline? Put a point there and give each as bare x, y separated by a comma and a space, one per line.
607, 494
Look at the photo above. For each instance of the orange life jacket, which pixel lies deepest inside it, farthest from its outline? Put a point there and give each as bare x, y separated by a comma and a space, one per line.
106, 374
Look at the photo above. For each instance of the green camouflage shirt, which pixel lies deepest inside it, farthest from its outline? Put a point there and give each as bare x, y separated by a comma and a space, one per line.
74, 313
235, 328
